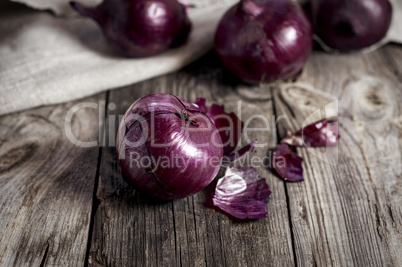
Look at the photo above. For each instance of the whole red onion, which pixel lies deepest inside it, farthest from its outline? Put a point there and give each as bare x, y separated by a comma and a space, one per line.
350, 24
167, 147
264, 40
140, 28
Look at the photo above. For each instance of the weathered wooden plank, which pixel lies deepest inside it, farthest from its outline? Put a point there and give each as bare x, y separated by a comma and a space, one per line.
348, 213
131, 230
46, 185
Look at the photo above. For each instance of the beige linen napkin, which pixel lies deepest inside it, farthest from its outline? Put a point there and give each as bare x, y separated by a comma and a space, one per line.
46, 59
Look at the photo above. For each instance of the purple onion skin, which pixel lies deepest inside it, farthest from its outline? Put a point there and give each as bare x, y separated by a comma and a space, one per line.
242, 193
287, 164
351, 24
181, 136
140, 28
320, 133
263, 41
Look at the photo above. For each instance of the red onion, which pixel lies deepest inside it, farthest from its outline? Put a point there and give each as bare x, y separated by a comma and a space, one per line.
350, 24
140, 28
167, 147
264, 40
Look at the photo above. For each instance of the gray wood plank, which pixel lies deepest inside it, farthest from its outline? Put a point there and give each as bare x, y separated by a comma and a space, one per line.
46, 185
348, 213
131, 230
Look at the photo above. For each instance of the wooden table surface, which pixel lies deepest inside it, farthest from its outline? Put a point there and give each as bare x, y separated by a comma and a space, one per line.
67, 205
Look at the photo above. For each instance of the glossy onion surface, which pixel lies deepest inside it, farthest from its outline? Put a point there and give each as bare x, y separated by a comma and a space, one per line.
351, 24
167, 147
140, 28
265, 40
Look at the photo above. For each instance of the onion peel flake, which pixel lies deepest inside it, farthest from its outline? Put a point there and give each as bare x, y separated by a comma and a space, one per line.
287, 164
242, 193
318, 134
229, 127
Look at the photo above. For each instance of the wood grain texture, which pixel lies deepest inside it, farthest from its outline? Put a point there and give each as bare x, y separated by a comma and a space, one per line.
131, 230
46, 186
348, 212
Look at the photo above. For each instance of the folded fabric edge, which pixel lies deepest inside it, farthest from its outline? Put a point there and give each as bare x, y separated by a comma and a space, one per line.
199, 43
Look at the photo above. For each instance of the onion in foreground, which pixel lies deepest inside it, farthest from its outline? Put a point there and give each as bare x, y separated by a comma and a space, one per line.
167, 147
140, 28
350, 24
264, 40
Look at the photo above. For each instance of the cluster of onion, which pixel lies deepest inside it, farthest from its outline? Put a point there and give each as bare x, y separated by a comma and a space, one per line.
266, 40
257, 40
